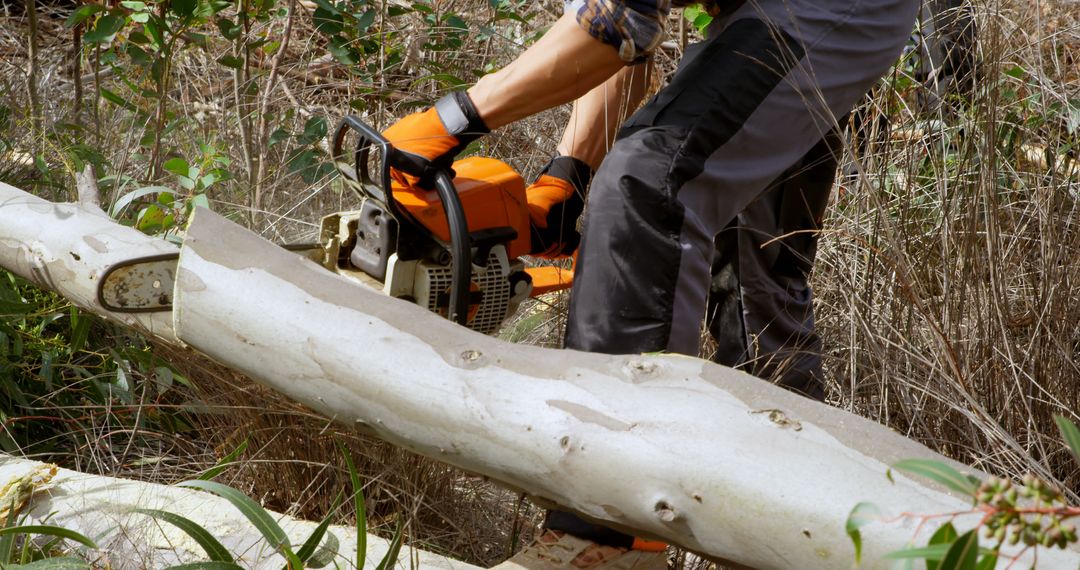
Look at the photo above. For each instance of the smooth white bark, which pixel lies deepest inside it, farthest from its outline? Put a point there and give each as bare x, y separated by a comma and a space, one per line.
102, 509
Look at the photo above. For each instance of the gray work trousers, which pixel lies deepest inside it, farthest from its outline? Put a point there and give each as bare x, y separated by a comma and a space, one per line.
724, 155
719, 148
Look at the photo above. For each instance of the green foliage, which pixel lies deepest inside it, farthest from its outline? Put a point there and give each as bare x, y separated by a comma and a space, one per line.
259, 517
40, 555
318, 550
57, 380
697, 16
1032, 513
863, 514
214, 549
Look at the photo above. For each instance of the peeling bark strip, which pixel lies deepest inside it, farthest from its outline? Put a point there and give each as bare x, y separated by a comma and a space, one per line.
677, 448
101, 508
66, 248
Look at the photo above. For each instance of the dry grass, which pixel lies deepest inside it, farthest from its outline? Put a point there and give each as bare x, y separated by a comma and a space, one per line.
946, 280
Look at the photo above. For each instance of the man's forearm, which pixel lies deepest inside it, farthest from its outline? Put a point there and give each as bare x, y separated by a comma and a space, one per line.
561, 66
598, 114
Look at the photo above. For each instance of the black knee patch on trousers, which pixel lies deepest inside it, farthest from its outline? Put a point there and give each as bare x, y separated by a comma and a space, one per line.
628, 262
579, 527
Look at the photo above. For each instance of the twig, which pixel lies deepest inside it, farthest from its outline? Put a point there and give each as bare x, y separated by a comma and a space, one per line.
271, 81
32, 70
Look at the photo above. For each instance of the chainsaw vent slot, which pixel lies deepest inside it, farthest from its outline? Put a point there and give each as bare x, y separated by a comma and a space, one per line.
489, 292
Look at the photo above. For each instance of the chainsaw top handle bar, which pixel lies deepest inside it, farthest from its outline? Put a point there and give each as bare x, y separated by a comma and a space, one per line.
369, 139
381, 190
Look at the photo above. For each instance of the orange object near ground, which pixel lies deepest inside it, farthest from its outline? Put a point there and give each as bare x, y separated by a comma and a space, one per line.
549, 279
648, 545
492, 194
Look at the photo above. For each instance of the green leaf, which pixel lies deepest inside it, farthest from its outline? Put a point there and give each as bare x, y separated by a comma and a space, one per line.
153, 29
231, 61
7, 542
199, 201
118, 100
214, 549
862, 514
327, 22
258, 516
130, 197
316, 556
81, 14
177, 166
50, 530
183, 8
963, 554
358, 502
987, 562
935, 552
278, 136
229, 30
326, 554
62, 563
206, 566
106, 28
941, 473
945, 535
80, 329
314, 130
341, 50
224, 462
1071, 434
389, 560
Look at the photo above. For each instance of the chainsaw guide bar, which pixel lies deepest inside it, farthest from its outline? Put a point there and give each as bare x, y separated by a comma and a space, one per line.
145, 284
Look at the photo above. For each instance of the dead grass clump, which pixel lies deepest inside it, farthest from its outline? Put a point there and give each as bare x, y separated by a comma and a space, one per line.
946, 280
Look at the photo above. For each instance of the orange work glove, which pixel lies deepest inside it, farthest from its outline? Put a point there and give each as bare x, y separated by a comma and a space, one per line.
555, 202
428, 141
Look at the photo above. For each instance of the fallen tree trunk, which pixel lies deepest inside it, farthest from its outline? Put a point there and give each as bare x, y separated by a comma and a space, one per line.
670, 447
103, 508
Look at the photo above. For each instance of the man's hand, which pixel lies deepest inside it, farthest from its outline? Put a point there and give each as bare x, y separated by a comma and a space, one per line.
555, 202
428, 141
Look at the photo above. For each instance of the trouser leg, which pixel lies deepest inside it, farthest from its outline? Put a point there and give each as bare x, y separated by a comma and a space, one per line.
760, 310
744, 106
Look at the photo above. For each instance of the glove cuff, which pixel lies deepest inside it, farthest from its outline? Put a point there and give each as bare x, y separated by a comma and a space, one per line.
460, 117
570, 169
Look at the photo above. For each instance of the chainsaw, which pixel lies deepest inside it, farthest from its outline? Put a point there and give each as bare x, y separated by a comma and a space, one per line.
455, 249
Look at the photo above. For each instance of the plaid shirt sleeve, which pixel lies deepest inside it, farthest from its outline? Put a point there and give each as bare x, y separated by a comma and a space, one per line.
633, 27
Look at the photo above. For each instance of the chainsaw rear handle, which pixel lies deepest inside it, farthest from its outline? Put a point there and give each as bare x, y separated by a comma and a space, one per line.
460, 246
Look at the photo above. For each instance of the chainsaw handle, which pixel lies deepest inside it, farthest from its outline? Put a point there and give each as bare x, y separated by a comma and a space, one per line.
368, 138
460, 248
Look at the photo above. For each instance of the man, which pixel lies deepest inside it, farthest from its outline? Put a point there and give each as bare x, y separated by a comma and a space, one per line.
738, 148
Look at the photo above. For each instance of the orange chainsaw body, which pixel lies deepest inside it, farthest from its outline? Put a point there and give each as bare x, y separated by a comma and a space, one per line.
492, 195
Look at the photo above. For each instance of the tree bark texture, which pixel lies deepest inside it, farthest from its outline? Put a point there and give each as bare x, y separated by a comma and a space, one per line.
665, 446
102, 509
